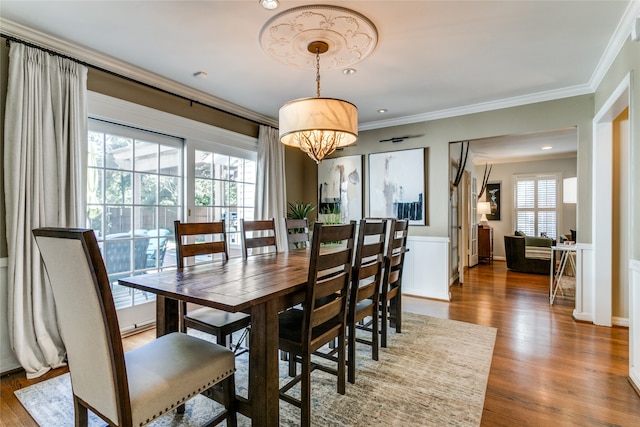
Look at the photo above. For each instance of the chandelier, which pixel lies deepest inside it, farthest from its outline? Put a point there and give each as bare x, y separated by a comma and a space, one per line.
318, 126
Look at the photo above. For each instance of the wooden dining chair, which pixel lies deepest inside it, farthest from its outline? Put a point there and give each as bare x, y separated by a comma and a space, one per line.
390, 294
364, 297
123, 389
322, 318
297, 233
262, 235
216, 322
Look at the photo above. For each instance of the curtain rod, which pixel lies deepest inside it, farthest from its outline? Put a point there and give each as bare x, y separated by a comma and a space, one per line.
95, 67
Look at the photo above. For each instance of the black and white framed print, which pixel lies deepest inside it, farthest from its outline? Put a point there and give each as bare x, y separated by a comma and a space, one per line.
397, 185
340, 189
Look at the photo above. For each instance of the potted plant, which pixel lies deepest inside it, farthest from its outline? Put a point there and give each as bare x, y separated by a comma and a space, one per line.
299, 210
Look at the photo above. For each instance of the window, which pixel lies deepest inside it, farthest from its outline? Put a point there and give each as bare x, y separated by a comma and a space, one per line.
134, 193
224, 188
536, 204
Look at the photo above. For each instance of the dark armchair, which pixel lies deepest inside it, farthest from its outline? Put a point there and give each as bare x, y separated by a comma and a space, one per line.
528, 254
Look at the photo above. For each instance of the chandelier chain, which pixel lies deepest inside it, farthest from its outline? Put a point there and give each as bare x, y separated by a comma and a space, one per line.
318, 71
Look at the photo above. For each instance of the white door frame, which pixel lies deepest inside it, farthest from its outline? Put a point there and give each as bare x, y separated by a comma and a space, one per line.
602, 152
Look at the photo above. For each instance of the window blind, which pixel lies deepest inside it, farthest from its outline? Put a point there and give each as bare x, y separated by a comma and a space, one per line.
536, 203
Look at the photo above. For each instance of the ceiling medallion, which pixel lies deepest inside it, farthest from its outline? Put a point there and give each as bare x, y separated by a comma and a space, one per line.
351, 37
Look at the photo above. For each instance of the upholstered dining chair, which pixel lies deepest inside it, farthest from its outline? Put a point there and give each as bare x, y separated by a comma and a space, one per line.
297, 233
123, 389
262, 235
322, 318
216, 322
366, 279
390, 294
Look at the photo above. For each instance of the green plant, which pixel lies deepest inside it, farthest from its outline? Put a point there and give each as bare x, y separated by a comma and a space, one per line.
299, 210
331, 215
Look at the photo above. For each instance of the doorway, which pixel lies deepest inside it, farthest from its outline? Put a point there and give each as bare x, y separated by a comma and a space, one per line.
610, 205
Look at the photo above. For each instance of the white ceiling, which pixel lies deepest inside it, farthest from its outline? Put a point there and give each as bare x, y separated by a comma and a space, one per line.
433, 59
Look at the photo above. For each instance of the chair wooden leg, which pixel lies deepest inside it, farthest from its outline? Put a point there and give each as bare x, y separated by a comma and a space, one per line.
375, 338
383, 321
181, 408
351, 359
182, 311
81, 415
342, 355
305, 391
292, 364
221, 339
398, 312
230, 401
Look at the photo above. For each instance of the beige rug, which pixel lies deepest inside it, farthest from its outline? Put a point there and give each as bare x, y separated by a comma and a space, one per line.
433, 374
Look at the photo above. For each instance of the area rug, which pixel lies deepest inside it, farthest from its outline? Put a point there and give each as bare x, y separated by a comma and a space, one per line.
432, 374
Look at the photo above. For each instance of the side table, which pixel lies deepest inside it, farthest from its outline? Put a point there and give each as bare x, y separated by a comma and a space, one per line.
566, 254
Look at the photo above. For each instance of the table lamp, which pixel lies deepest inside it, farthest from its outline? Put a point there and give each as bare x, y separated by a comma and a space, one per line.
484, 208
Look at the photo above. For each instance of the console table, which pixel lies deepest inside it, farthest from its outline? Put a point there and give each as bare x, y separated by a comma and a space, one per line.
566, 254
485, 243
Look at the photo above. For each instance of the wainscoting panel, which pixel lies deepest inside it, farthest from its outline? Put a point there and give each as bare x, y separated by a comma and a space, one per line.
634, 323
426, 264
585, 286
8, 361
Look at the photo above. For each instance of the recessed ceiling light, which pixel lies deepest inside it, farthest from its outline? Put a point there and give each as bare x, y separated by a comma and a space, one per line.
382, 110
547, 147
349, 71
269, 4
200, 75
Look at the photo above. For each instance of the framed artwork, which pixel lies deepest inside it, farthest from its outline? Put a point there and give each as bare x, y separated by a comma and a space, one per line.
340, 190
492, 195
398, 184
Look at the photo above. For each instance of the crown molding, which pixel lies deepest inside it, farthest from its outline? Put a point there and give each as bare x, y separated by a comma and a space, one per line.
620, 36
126, 69
616, 43
482, 107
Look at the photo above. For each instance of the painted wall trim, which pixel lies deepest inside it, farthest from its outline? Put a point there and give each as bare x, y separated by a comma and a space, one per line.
584, 303
634, 323
426, 268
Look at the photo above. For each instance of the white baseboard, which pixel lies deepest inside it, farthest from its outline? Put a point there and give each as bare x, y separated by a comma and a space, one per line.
620, 321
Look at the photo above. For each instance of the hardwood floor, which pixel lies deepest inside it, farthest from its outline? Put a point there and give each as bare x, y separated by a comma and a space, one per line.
547, 368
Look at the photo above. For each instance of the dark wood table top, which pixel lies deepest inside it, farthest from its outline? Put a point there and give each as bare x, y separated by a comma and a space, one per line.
235, 285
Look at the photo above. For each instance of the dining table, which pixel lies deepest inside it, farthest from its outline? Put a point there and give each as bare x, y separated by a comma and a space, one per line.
261, 285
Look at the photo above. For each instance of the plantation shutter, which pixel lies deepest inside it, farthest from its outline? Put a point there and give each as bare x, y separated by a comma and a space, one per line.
536, 204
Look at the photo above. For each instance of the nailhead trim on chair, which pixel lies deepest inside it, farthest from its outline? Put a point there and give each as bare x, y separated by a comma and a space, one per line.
180, 402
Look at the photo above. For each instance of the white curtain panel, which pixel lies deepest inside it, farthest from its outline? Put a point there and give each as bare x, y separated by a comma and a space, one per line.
271, 197
44, 175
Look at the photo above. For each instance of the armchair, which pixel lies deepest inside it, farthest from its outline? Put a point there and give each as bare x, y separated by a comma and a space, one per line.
528, 254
